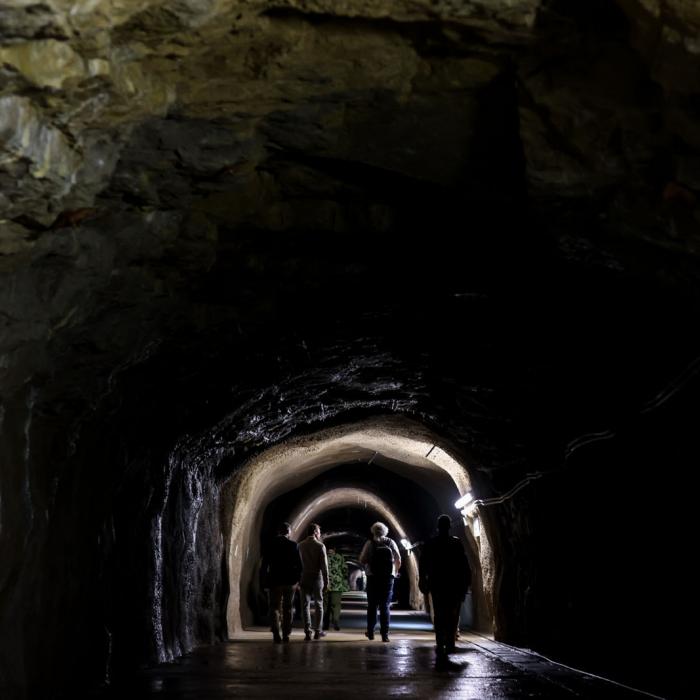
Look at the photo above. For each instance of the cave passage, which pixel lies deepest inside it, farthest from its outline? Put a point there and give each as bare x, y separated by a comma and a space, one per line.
348, 261
398, 475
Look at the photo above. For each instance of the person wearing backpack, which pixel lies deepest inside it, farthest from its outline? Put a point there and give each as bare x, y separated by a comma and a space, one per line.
381, 559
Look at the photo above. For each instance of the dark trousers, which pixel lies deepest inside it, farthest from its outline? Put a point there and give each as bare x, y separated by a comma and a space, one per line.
379, 594
445, 619
281, 599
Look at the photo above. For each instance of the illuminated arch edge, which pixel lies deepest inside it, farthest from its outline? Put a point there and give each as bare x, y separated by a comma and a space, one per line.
360, 498
296, 461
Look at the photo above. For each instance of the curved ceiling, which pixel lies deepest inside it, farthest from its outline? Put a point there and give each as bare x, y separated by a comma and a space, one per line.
400, 444
359, 497
258, 218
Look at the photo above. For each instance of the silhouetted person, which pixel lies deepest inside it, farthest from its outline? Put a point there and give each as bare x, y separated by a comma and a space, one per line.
280, 573
337, 585
314, 579
381, 559
445, 576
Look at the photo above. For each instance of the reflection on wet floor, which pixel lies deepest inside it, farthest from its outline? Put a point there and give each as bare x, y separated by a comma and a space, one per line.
345, 665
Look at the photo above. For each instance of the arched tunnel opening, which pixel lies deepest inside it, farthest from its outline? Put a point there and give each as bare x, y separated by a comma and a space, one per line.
342, 262
398, 475
359, 509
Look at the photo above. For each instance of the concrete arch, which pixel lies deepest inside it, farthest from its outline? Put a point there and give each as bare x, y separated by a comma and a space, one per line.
341, 497
395, 443
346, 534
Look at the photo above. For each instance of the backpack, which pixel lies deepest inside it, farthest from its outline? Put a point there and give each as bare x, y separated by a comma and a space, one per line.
381, 563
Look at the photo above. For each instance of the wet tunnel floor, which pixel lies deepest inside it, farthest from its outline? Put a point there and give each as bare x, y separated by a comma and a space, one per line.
346, 665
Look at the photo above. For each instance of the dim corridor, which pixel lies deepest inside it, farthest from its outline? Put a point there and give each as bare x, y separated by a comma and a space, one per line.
345, 664
354, 615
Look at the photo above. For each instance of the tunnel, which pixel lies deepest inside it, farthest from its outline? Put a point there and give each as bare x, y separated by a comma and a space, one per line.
406, 450
347, 261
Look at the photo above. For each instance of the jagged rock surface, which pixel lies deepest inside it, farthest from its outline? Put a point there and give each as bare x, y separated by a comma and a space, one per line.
226, 221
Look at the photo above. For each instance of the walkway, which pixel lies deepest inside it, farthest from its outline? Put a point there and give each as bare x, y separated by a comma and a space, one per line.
346, 665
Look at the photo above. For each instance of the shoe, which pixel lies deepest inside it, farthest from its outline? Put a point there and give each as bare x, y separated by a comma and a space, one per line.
285, 638
318, 634
336, 627
369, 635
307, 636
385, 637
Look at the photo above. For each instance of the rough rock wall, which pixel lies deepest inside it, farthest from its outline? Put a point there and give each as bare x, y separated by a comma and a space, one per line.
480, 213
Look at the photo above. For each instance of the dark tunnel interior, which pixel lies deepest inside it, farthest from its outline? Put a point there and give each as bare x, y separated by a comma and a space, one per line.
347, 527
268, 260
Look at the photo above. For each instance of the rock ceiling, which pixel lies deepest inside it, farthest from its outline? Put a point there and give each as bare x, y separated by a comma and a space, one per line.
133, 135
223, 222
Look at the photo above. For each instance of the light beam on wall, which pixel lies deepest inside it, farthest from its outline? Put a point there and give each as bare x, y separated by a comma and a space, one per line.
464, 500
476, 527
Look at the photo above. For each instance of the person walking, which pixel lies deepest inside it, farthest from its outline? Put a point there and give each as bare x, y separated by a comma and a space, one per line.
279, 575
444, 576
337, 585
381, 559
314, 579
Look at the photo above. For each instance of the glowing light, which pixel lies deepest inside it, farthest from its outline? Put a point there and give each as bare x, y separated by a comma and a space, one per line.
405, 544
464, 500
469, 511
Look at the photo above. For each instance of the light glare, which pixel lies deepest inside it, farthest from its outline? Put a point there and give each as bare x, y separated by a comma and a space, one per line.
476, 527
467, 498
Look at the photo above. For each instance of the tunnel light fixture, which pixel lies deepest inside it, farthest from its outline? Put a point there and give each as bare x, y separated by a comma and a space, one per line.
476, 527
408, 546
464, 500
469, 511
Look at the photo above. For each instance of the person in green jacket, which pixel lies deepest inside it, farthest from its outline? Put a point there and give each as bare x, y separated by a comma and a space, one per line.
337, 585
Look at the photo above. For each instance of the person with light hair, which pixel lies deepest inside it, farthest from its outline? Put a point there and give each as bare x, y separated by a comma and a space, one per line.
382, 561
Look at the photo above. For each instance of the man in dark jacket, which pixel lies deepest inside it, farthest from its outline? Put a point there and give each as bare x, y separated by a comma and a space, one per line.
444, 574
280, 573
